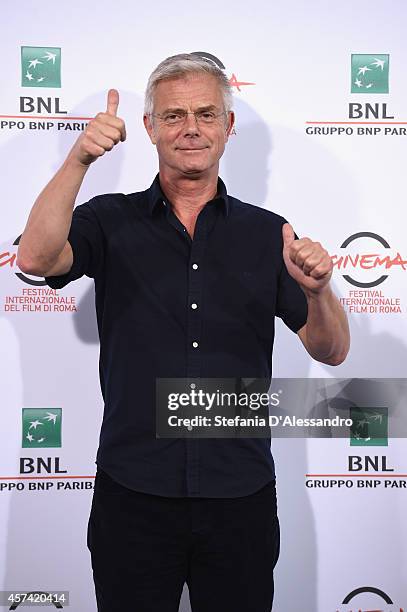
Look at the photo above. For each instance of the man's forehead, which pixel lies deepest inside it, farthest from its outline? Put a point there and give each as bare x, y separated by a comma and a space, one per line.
193, 88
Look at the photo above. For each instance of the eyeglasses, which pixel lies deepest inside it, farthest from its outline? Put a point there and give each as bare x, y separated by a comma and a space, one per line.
178, 117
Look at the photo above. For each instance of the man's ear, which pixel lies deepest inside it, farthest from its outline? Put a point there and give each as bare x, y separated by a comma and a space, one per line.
230, 124
148, 124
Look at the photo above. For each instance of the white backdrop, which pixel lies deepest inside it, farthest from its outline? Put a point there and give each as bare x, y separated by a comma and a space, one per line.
297, 57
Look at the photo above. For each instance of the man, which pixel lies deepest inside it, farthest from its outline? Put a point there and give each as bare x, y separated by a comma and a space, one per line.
188, 280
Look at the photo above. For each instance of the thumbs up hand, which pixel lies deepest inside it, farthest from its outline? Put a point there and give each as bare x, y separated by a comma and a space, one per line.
307, 262
101, 134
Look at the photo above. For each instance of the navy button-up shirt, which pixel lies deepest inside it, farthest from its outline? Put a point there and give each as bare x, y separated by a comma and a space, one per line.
169, 306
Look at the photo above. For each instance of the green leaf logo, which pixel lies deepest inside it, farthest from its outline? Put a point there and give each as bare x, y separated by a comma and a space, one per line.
42, 427
370, 427
370, 73
40, 67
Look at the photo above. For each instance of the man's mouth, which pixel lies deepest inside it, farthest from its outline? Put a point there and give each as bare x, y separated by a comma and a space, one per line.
191, 148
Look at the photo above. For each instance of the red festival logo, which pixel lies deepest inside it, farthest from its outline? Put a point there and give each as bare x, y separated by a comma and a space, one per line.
367, 261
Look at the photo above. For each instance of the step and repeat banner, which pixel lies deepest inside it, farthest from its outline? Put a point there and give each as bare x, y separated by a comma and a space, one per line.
320, 95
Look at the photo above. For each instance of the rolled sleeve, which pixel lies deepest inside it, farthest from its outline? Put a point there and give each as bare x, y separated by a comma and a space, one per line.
87, 242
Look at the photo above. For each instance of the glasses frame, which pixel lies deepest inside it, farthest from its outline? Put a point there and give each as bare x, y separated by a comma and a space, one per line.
182, 122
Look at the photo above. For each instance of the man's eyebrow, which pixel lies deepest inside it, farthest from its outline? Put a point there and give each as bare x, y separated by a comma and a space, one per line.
207, 107
173, 110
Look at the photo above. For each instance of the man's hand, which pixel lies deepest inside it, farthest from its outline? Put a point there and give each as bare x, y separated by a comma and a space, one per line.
325, 335
101, 134
307, 261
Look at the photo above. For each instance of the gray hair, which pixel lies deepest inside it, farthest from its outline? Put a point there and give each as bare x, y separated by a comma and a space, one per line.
178, 66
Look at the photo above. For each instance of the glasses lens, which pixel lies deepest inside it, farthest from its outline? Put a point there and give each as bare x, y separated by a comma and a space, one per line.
205, 116
174, 118
178, 117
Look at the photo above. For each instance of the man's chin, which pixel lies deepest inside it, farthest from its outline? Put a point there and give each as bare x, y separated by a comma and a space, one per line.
194, 160
194, 169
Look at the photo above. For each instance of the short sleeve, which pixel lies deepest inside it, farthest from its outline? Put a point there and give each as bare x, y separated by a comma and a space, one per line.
292, 306
87, 242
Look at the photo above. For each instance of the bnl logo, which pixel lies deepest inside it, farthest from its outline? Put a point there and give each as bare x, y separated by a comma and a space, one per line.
369, 75
40, 67
41, 427
369, 426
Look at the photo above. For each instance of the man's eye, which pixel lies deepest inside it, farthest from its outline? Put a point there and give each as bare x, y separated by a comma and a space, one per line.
207, 115
172, 117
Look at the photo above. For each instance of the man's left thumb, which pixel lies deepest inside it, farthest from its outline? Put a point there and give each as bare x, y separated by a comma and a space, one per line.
288, 234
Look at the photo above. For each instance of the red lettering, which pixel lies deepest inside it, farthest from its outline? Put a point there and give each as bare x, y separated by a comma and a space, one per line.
398, 261
342, 262
354, 262
367, 261
10, 260
336, 261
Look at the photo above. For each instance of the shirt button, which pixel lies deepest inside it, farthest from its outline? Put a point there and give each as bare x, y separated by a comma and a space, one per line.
194, 306
195, 344
195, 266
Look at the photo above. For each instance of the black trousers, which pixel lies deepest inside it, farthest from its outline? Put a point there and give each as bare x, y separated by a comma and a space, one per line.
145, 547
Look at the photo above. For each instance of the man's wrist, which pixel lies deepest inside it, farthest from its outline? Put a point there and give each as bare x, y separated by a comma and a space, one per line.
322, 293
72, 164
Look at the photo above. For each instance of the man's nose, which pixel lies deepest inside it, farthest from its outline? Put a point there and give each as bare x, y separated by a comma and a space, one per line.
191, 125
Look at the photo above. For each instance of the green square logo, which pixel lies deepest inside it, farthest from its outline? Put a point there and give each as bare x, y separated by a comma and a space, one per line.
369, 427
370, 73
42, 427
40, 67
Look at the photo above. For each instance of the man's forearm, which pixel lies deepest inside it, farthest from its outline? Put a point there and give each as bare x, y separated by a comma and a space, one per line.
327, 337
50, 219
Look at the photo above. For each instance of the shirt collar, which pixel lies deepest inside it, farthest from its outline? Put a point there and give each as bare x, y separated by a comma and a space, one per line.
156, 195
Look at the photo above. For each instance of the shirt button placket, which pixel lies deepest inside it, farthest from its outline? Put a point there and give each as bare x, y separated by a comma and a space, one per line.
194, 330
